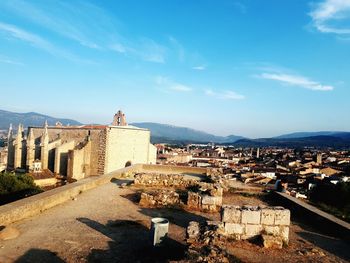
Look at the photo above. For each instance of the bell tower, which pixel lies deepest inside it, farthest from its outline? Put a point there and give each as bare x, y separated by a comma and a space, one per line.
119, 119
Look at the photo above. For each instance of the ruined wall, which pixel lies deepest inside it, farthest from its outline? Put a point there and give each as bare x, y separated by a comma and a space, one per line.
163, 180
172, 169
160, 198
208, 198
126, 145
250, 221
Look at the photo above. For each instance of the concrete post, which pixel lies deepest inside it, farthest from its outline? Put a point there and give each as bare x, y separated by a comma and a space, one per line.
159, 230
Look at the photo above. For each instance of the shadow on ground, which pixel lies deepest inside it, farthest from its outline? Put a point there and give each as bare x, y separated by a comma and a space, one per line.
131, 242
176, 216
39, 256
332, 245
119, 182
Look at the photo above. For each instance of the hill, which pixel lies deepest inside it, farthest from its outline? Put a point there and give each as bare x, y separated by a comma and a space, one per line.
337, 140
30, 119
169, 133
307, 134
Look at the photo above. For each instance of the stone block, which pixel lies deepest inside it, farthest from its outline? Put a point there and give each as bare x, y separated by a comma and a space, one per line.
194, 200
253, 230
272, 241
212, 200
193, 230
231, 214
234, 229
282, 217
251, 216
284, 232
267, 216
272, 230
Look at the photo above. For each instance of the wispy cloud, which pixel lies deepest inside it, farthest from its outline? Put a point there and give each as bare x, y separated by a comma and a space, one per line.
224, 95
201, 67
329, 16
151, 51
86, 24
7, 60
171, 85
76, 22
179, 49
240, 6
296, 80
145, 49
36, 41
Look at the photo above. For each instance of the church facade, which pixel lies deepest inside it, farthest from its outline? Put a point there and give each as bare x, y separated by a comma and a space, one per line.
78, 152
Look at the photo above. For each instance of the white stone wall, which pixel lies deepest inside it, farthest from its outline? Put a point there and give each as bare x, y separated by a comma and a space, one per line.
126, 144
250, 221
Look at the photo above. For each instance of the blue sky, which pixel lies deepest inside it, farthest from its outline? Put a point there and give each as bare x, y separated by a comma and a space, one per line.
251, 68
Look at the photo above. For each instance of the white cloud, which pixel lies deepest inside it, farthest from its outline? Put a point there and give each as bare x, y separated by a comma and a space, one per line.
37, 41
170, 85
296, 80
120, 48
224, 95
329, 16
201, 67
151, 51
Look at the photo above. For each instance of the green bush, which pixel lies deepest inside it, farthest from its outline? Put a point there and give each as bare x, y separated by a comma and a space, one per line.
17, 186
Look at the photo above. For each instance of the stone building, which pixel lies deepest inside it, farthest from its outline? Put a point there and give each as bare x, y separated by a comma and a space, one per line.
80, 151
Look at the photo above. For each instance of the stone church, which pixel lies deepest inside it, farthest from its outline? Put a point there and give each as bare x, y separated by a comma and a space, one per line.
77, 152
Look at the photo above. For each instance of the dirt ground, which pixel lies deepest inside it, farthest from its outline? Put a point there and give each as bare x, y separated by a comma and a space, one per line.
105, 224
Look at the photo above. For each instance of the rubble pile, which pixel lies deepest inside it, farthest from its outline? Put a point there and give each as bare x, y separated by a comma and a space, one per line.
206, 244
159, 198
164, 180
206, 197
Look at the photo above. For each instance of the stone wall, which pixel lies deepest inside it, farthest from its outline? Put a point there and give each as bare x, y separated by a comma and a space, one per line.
46, 182
160, 198
127, 145
207, 198
173, 169
251, 221
163, 180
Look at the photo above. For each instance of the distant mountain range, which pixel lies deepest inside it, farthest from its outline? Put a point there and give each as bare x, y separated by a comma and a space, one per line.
308, 134
336, 140
29, 119
182, 135
174, 133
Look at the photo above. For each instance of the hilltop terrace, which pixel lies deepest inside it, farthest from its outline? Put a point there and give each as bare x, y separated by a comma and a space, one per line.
108, 219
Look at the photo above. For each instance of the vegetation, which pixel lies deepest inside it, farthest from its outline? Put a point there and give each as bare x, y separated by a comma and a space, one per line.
16, 186
334, 199
2, 142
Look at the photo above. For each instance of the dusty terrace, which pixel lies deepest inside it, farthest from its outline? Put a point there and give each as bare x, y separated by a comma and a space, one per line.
106, 224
